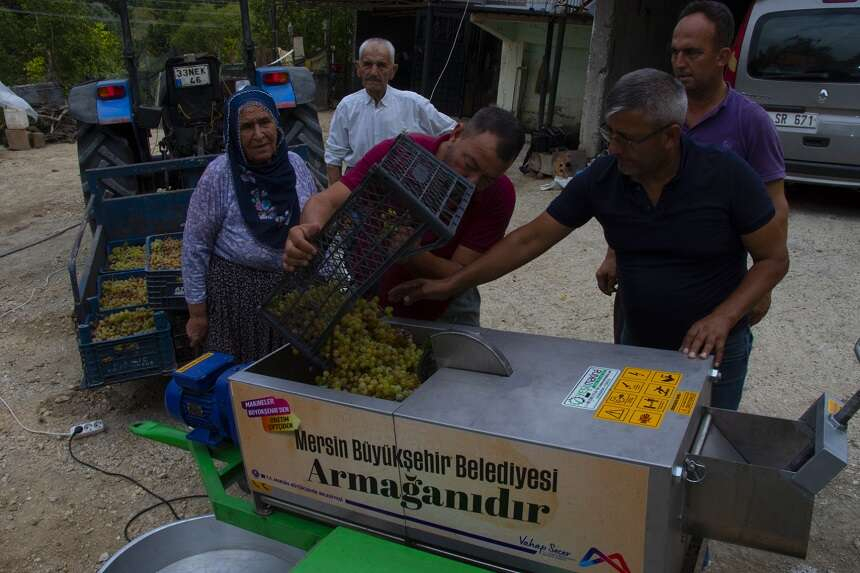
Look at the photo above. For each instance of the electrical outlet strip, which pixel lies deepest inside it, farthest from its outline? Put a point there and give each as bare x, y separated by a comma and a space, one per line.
88, 428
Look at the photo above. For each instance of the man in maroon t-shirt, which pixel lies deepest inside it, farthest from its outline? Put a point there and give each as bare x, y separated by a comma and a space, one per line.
481, 151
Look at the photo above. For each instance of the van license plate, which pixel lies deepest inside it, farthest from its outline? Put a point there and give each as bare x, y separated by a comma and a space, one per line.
797, 120
191, 76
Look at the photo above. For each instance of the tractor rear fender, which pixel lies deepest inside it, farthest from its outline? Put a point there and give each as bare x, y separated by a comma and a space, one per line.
303, 84
82, 102
103, 102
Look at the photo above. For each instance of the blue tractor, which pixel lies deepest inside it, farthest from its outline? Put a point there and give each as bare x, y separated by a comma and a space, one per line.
115, 127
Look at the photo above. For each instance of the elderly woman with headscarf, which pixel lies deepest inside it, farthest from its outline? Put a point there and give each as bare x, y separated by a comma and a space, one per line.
238, 219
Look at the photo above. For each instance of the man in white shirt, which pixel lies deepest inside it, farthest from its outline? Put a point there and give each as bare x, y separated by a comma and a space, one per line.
378, 112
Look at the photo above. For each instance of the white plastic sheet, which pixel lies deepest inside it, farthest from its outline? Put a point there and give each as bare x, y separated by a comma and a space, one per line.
8, 98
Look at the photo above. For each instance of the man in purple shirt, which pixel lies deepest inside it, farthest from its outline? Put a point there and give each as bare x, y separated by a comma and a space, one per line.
717, 115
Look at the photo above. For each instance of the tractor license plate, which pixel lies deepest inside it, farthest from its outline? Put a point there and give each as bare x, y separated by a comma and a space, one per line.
191, 76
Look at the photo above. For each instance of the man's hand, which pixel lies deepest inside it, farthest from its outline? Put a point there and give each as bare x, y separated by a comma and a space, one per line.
708, 336
196, 328
299, 250
422, 289
760, 309
334, 173
607, 279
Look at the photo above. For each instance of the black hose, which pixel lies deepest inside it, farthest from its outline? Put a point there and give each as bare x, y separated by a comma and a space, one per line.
848, 410
40, 241
853, 404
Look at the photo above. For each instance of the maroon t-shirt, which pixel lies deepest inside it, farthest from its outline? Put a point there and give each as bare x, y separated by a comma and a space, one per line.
482, 226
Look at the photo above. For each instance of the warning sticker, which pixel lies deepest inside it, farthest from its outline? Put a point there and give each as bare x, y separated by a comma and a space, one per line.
630, 385
644, 418
659, 390
621, 397
651, 404
665, 377
640, 374
613, 413
684, 402
591, 388
642, 397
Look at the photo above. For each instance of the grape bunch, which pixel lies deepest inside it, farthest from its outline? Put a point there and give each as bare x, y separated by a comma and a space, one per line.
123, 292
126, 258
165, 254
307, 313
124, 323
371, 357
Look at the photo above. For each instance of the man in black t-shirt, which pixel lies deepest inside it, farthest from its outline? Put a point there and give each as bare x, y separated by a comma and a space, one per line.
681, 218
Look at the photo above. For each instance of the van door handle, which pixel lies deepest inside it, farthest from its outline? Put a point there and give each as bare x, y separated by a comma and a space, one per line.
816, 141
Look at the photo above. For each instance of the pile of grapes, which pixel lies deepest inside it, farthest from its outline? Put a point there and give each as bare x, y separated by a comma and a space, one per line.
124, 292
371, 357
126, 258
166, 254
124, 323
307, 314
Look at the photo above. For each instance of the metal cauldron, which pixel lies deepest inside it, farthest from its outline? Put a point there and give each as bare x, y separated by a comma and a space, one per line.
202, 544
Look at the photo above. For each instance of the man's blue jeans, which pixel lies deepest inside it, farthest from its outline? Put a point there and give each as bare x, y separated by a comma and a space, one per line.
728, 391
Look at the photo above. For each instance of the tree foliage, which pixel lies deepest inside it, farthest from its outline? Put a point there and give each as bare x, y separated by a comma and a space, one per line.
57, 39
73, 40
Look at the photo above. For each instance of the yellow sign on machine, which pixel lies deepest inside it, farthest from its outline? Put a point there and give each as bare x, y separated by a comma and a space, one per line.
641, 397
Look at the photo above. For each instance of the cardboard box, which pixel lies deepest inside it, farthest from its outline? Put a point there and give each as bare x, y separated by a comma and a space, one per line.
37, 139
17, 139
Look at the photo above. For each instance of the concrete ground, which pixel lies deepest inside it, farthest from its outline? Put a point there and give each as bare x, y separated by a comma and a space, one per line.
58, 516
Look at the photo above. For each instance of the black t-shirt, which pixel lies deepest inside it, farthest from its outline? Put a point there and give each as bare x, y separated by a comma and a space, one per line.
679, 259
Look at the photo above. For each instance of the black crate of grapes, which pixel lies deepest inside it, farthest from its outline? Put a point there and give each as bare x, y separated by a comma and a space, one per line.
181, 344
409, 202
120, 345
164, 288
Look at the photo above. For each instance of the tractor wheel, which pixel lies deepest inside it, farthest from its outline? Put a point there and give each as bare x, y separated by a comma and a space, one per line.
302, 127
101, 146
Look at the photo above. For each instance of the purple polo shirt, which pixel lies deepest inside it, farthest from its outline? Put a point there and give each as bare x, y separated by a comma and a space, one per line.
741, 125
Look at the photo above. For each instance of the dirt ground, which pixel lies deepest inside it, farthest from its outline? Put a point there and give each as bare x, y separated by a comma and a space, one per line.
56, 515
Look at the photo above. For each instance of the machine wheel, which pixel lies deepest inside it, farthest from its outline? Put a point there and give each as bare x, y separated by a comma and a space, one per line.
101, 146
302, 127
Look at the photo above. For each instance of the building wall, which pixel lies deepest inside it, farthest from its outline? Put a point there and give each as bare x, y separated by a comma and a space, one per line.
627, 36
522, 58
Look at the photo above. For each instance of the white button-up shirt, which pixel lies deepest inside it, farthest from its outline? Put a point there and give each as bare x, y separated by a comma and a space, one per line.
359, 123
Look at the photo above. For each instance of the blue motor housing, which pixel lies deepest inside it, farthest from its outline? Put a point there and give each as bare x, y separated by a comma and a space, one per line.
199, 396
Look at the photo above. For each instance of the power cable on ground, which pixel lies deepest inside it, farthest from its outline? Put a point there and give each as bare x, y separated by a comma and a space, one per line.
77, 431
134, 517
